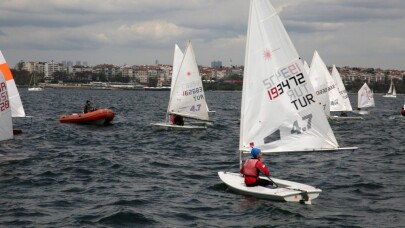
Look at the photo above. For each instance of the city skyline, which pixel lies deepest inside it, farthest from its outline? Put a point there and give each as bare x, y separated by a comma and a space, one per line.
360, 34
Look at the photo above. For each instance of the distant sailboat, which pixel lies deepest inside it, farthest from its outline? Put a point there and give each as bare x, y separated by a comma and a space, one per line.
365, 99
187, 98
345, 106
327, 93
17, 109
6, 129
279, 112
391, 91
34, 87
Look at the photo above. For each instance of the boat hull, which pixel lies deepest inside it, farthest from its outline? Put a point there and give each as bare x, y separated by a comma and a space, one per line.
403, 112
97, 117
389, 95
168, 126
346, 118
35, 89
288, 191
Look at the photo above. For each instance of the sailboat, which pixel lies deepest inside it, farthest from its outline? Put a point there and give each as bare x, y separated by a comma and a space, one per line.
35, 87
6, 129
279, 112
327, 92
17, 109
187, 97
391, 91
365, 99
345, 106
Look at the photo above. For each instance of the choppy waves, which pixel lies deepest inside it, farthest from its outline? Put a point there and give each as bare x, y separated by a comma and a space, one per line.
127, 174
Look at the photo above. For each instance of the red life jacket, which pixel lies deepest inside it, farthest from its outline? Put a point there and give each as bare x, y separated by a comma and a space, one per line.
249, 168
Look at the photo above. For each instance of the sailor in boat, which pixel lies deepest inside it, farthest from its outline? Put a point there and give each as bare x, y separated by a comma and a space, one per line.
88, 107
252, 168
177, 120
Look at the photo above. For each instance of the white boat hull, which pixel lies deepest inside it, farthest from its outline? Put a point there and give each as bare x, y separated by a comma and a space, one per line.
167, 126
364, 112
287, 191
346, 118
388, 95
36, 89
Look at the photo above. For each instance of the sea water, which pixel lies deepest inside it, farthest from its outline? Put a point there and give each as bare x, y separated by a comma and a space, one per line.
130, 175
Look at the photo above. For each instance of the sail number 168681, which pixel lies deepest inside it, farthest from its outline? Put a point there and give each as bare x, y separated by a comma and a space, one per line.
192, 91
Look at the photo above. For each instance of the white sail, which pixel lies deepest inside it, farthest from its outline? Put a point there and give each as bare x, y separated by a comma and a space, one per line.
17, 109
188, 98
280, 111
391, 91
365, 97
342, 90
177, 58
306, 66
34, 87
6, 129
326, 88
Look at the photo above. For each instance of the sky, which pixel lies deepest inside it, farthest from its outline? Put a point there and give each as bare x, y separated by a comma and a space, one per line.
357, 33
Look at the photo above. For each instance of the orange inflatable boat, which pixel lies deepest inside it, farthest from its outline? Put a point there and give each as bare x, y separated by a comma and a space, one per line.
98, 117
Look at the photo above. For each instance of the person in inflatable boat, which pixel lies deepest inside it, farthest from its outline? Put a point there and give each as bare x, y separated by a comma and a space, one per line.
88, 107
252, 167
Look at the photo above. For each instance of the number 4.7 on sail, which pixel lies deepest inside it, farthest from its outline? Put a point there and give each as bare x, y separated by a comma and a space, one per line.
297, 129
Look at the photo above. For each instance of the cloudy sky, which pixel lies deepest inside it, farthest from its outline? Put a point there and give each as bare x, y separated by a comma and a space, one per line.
364, 33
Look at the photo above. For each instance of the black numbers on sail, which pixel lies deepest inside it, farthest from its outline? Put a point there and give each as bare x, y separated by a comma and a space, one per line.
278, 90
296, 129
195, 108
